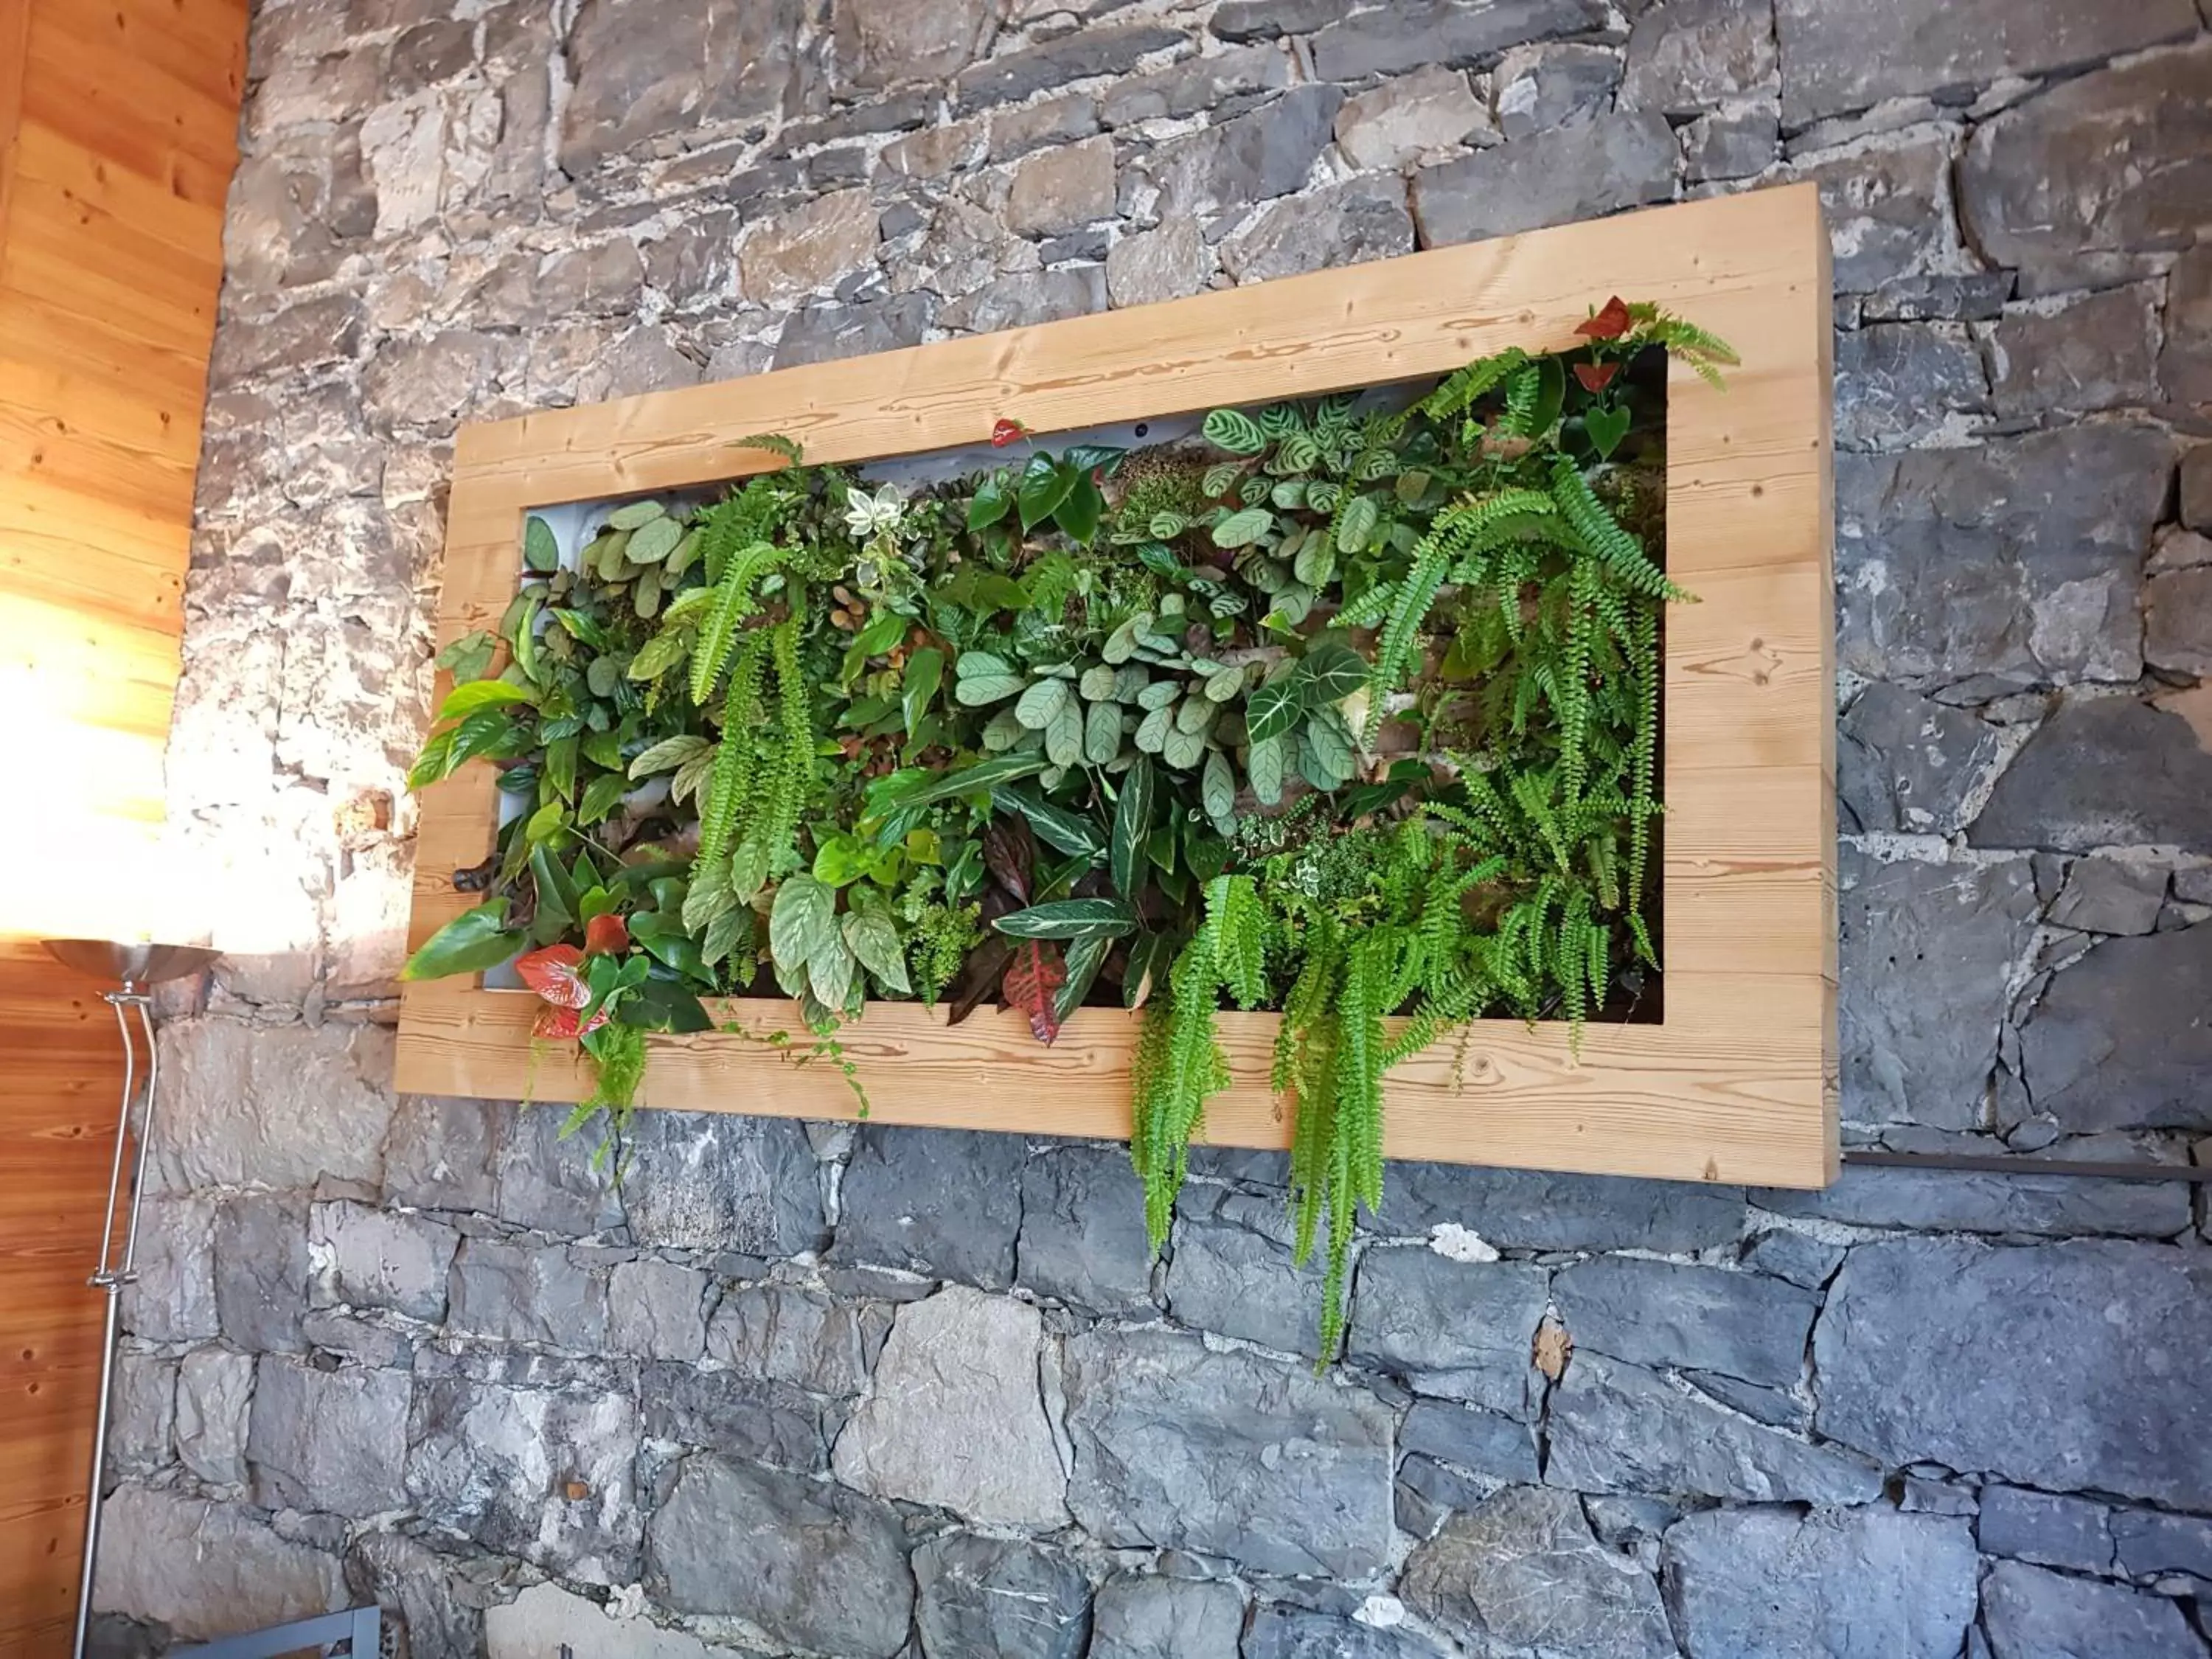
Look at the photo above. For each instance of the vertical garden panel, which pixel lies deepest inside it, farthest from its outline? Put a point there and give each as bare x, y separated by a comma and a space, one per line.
1735, 1082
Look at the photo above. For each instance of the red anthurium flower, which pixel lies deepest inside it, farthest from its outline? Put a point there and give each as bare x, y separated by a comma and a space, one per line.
609, 935
1610, 323
1003, 432
561, 1022
552, 974
1595, 377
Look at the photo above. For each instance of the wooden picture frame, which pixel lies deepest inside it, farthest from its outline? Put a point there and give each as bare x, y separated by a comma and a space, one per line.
1737, 1083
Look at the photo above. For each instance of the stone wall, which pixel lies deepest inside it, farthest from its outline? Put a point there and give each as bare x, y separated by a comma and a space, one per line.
800, 1389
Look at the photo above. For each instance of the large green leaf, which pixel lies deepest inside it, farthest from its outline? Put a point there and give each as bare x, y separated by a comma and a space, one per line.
1079, 513
465, 700
654, 541
990, 502
1332, 670
540, 551
634, 514
1356, 524
979, 779
1151, 955
872, 936
669, 755
1102, 732
1045, 484
1084, 918
925, 669
471, 942
1273, 708
1055, 825
468, 657
1133, 820
801, 922
1085, 957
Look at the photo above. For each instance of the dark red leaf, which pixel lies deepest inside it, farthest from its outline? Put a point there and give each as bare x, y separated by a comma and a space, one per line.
552, 974
609, 934
1032, 978
1595, 377
1610, 323
979, 977
562, 1023
1010, 854
1003, 432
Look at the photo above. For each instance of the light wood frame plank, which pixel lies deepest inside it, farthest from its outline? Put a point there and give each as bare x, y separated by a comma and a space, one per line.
1737, 1083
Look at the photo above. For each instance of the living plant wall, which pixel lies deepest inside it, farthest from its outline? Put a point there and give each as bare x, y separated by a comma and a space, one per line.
1347, 709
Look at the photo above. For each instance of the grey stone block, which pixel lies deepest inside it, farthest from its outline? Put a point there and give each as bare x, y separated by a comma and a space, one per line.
1177, 1447
334, 1441
1616, 1428
261, 1270
1083, 1230
812, 1565
1663, 1313
2051, 1529
1755, 1584
1522, 1571
2122, 1414
547, 1474
520, 1293
657, 1309
2030, 1613
1142, 1616
941, 1202
1456, 1328
369, 1258
994, 1595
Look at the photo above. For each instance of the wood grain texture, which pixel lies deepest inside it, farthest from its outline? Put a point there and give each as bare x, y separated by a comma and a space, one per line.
117, 137
1736, 1083
64, 1072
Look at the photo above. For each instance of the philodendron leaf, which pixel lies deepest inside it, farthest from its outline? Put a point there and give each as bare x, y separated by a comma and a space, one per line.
465, 700
1273, 708
1085, 957
1332, 670
468, 657
925, 669
471, 942
634, 514
1606, 427
1065, 919
540, 551
654, 541
1045, 484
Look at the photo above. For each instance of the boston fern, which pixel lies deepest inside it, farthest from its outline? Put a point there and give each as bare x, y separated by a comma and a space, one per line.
1346, 710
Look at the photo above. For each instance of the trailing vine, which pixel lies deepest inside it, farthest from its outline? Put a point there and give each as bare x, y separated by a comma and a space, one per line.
1347, 709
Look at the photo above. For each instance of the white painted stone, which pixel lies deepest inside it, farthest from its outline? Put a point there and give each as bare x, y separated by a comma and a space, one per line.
282, 1106
956, 1417
546, 1618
